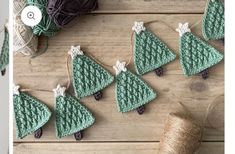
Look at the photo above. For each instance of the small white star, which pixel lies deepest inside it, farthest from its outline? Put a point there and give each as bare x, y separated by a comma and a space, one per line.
59, 91
138, 27
16, 89
119, 67
74, 51
182, 29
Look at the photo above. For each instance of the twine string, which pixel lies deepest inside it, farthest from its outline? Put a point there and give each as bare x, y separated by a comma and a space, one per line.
111, 66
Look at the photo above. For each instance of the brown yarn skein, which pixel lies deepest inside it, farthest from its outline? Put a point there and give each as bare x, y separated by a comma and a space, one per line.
64, 11
182, 135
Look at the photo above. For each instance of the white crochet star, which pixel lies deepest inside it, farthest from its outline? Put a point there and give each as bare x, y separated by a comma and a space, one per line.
138, 27
182, 29
74, 51
16, 89
59, 91
119, 67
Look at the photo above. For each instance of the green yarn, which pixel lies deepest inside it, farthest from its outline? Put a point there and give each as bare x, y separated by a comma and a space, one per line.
30, 114
46, 26
132, 92
213, 20
71, 116
4, 56
150, 52
196, 55
88, 76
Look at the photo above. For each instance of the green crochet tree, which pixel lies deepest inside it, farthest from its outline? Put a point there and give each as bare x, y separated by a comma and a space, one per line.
196, 56
71, 116
150, 53
4, 56
213, 20
89, 78
131, 92
30, 114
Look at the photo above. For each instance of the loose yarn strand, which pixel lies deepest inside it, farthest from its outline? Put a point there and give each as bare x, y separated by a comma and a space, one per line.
68, 72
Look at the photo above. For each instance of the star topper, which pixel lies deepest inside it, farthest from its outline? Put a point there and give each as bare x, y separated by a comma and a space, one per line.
74, 51
183, 28
59, 91
119, 67
138, 27
16, 89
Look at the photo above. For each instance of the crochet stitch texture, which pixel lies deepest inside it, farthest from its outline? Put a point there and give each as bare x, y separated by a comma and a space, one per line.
213, 20
71, 116
30, 114
132, 92
88, 76
196, 55
4, 56
150, 52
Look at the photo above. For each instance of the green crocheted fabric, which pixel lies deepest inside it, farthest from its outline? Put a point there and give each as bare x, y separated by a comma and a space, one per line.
213, 20
88, 76
196, 55
30, 114
150, 52
71, 116
4, 56
46, 26
132, 92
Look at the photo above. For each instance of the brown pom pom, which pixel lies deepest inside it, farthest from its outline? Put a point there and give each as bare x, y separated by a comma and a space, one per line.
62, 12
140, 109
159, 71
78, 135
3, 72
38, 133
205, 74
98, 95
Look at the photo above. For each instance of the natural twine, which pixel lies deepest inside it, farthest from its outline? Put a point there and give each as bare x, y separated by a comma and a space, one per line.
24, 41
182, 135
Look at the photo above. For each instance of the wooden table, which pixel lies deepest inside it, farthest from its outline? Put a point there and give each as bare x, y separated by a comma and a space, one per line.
106, 34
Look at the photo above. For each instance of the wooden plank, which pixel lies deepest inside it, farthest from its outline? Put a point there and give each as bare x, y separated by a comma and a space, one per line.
107, 37
105, 148
151, 6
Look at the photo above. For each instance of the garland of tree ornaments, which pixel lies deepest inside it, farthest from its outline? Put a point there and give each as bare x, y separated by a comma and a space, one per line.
4, 56
89, 78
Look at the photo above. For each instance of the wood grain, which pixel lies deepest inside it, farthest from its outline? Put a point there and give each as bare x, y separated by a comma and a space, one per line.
104, 148
151, 6
107, 37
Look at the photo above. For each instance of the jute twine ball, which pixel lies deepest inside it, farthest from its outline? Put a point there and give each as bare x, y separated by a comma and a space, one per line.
182, 135
24, 41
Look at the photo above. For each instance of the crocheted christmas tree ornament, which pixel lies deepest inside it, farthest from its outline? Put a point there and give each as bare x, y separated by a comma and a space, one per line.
30, 114
213, 20
195, 54
4, 56
150, 53
71, 116
131, 92
88, 76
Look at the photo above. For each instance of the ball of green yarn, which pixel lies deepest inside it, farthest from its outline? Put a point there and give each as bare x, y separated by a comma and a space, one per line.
46, 26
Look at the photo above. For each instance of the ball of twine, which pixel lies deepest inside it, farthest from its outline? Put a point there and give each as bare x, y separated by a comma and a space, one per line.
24, 41
62, 12
182, 135
46, 26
